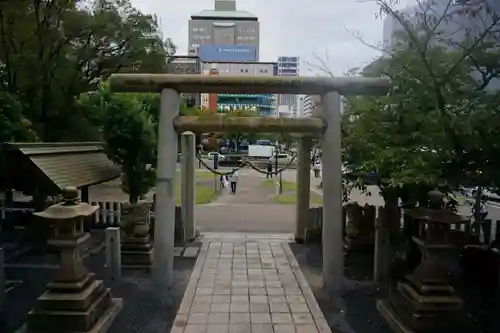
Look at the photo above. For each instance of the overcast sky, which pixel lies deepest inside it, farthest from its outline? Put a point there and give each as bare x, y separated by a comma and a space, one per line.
291, 28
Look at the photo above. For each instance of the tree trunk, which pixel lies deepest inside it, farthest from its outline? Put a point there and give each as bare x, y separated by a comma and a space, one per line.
133, 198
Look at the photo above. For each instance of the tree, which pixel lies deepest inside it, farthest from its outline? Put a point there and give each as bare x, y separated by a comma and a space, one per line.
13, 125
236, 138
130, 139
438, 125
54, 50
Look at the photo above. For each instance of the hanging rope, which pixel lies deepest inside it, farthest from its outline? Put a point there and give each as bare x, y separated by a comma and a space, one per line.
214, 171
242, 165
274, 173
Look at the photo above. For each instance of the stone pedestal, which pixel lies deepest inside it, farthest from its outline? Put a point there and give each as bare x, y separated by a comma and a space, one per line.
75, 301
137, 248
360, 232
425, 302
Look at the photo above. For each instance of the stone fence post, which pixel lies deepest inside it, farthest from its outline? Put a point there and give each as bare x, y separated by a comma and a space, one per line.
382, 246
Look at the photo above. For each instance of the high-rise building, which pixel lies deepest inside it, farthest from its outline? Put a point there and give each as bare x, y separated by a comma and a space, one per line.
186, 65
289, 66
311, 105
222, 28
227, 39
262, 103
459, 24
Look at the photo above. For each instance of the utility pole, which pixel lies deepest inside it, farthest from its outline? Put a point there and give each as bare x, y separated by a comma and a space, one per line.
276, 152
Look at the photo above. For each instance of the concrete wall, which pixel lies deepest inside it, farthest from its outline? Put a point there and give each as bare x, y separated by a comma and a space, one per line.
223, 32
243, 69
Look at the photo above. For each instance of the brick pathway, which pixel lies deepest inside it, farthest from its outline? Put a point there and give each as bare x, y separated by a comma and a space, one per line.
248, 283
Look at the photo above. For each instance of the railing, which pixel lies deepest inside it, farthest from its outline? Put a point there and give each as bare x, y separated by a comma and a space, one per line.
16, 207
108, 214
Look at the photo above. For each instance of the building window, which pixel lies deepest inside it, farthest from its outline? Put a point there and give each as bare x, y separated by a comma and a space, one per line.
195, 29
246, 70
201, 29
239, 38
241, 70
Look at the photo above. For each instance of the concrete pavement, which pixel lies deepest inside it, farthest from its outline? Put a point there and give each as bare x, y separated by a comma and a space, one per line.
248, 284
248, 210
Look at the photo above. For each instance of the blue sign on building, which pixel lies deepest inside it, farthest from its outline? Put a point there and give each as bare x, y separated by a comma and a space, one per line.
229, 53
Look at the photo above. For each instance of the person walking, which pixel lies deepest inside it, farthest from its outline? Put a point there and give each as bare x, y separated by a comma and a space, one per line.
483, 209
317, 168
233, 179
269, 169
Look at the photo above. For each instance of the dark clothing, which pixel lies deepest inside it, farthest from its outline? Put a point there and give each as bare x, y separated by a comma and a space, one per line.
233, 187
269, 170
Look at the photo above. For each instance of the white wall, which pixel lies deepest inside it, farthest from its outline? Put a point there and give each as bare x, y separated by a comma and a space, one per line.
251, 69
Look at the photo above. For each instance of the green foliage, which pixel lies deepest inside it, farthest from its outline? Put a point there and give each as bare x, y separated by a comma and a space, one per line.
13, 125
130, 136
238, 137
438, 126
52, 51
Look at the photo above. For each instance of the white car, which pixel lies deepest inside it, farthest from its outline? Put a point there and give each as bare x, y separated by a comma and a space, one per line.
488, 193
282, 158
212, 154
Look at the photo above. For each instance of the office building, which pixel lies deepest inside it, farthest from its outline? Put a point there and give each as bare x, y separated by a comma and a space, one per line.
186, 65
221, 29
311, 105
288, 66
262, 103
458, 25
227, 42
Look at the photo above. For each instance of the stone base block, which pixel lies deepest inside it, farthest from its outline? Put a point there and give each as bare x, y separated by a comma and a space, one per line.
71, 301
66, 321
136, 240
102, 324
137, 257
403, 317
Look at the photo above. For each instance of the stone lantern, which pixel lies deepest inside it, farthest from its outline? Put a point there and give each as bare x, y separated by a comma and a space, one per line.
425, 301
74, 301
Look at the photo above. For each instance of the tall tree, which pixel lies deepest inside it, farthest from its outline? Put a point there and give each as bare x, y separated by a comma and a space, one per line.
53, 50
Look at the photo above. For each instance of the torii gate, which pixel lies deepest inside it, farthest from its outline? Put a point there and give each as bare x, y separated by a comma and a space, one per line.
171, 85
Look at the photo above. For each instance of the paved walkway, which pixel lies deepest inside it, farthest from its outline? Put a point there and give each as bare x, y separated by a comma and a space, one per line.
248, 283
248, 210
249, 191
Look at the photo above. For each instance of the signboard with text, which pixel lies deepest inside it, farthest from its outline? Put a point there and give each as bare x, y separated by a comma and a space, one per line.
181, 66
229, 53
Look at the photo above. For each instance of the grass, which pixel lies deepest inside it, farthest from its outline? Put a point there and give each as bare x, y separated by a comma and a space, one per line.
204, 193
287, 185
289, 193
291, 199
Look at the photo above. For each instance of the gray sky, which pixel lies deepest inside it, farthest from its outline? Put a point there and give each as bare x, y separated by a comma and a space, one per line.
291, 28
